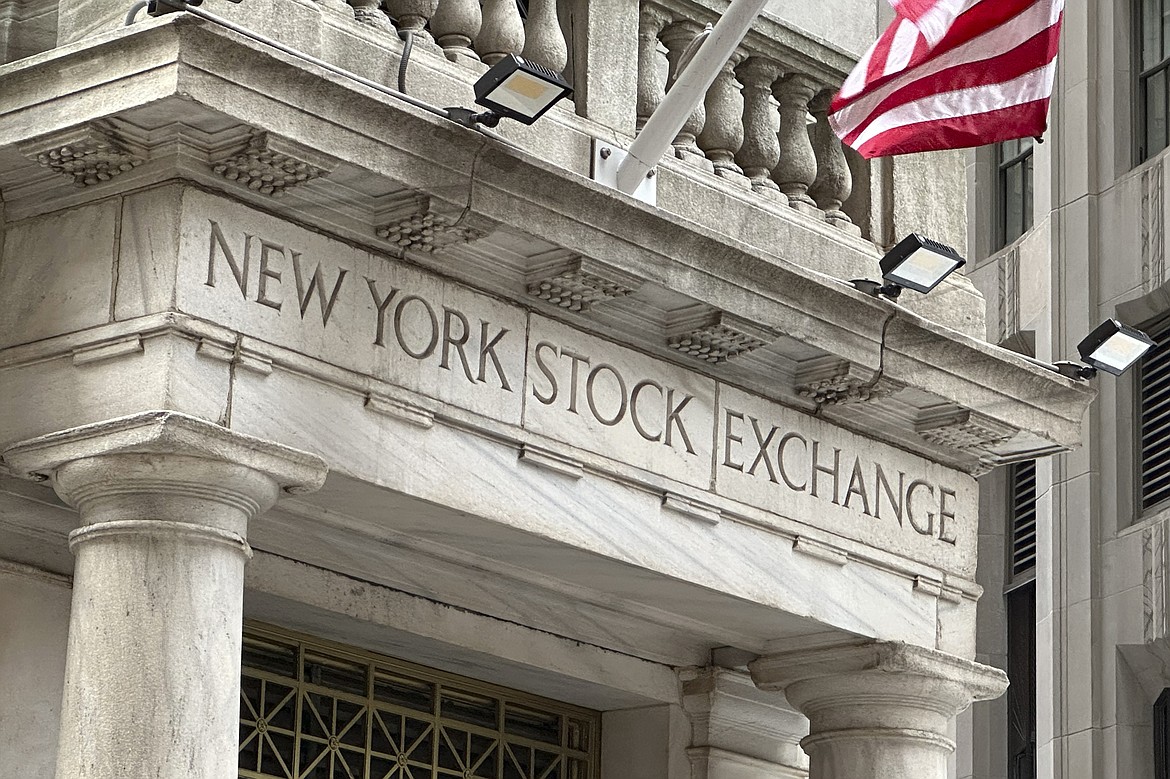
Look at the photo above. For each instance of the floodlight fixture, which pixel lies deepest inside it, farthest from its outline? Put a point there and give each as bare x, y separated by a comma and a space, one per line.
1112, 347
916, 263
513, 88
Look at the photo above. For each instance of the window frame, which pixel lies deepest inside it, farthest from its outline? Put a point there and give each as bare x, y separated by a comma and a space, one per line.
1141, 76
1003, 164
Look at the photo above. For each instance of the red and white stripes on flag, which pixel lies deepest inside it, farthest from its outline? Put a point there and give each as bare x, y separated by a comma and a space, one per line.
948, 74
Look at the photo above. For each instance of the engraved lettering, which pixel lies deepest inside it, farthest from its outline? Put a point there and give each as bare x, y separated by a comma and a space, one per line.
762, 454
548, 374
780, 460
857, 487
577, 359
240, 272
634, 395
895, 497
382, 304
432, 339
266, 249
915, 486
673, 420
817, 469
945, 513
450, 316
316, 282
488, 349
589, 395
729, 438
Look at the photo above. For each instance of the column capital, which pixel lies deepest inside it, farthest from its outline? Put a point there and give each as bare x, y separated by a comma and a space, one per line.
166, 433
879, 708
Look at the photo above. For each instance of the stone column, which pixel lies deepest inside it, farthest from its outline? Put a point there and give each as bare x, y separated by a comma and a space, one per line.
797, 169
677, 38
877, 710
760, 150
153, 661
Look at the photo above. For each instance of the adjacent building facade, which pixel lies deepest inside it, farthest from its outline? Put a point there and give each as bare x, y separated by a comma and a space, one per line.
342, 440
1065, 233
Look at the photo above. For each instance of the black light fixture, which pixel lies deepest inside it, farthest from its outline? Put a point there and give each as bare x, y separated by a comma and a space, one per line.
916, 263
1112, 347
513, 88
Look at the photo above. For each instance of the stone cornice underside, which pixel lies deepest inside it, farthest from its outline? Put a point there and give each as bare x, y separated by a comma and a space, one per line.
183, 99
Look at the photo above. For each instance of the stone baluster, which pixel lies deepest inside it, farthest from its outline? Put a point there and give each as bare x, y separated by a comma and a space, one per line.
652, 20
413, 15
455, 25
834, 182
677, 37
502, 31
152, 670
722, 133
877, 709
370, 12
797, 169
544, 42
761, 147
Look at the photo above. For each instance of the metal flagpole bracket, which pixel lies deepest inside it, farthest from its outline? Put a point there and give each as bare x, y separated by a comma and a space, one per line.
607, 158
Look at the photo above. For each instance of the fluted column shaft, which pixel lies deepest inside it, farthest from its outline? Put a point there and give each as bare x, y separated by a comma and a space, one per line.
877, 709
153, 659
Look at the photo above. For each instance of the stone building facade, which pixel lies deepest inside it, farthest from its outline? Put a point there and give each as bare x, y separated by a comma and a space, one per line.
343, 440
1079, 239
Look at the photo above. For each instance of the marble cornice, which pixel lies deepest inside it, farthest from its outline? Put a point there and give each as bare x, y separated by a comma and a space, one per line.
210, 75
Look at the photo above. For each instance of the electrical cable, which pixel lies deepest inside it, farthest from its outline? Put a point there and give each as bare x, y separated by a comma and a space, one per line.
181, 5
133, 12
407, 44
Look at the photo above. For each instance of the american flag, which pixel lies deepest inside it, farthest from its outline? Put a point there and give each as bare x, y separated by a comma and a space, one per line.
948, 74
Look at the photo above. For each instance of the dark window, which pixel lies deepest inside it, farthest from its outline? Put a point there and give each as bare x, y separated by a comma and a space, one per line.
1015, 189
1154, 416
1154, 60
1020, 605
1162, 736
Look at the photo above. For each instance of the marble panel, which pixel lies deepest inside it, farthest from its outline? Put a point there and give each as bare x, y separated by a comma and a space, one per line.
619, 403
55, 273
801, 467
265, 277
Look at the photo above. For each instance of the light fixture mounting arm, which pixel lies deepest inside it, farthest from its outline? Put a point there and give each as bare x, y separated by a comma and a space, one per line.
688, 90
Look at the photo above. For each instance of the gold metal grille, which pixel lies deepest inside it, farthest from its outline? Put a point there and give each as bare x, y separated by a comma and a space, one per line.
312, 710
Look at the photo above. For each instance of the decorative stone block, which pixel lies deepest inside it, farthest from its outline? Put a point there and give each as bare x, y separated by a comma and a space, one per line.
90, 154
844, 388
966, 431
715, 336
578, 283
271, 166
412, 222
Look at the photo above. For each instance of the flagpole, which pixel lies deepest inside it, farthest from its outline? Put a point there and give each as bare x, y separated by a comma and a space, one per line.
688, 90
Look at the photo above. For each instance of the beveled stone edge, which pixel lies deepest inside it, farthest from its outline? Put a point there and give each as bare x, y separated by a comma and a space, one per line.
167, 432
778, 671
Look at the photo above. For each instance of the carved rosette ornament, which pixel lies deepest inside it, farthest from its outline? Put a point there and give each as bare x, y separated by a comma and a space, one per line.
577, 283
715, 337
271, 166
88, 155
844, 388
412, 223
